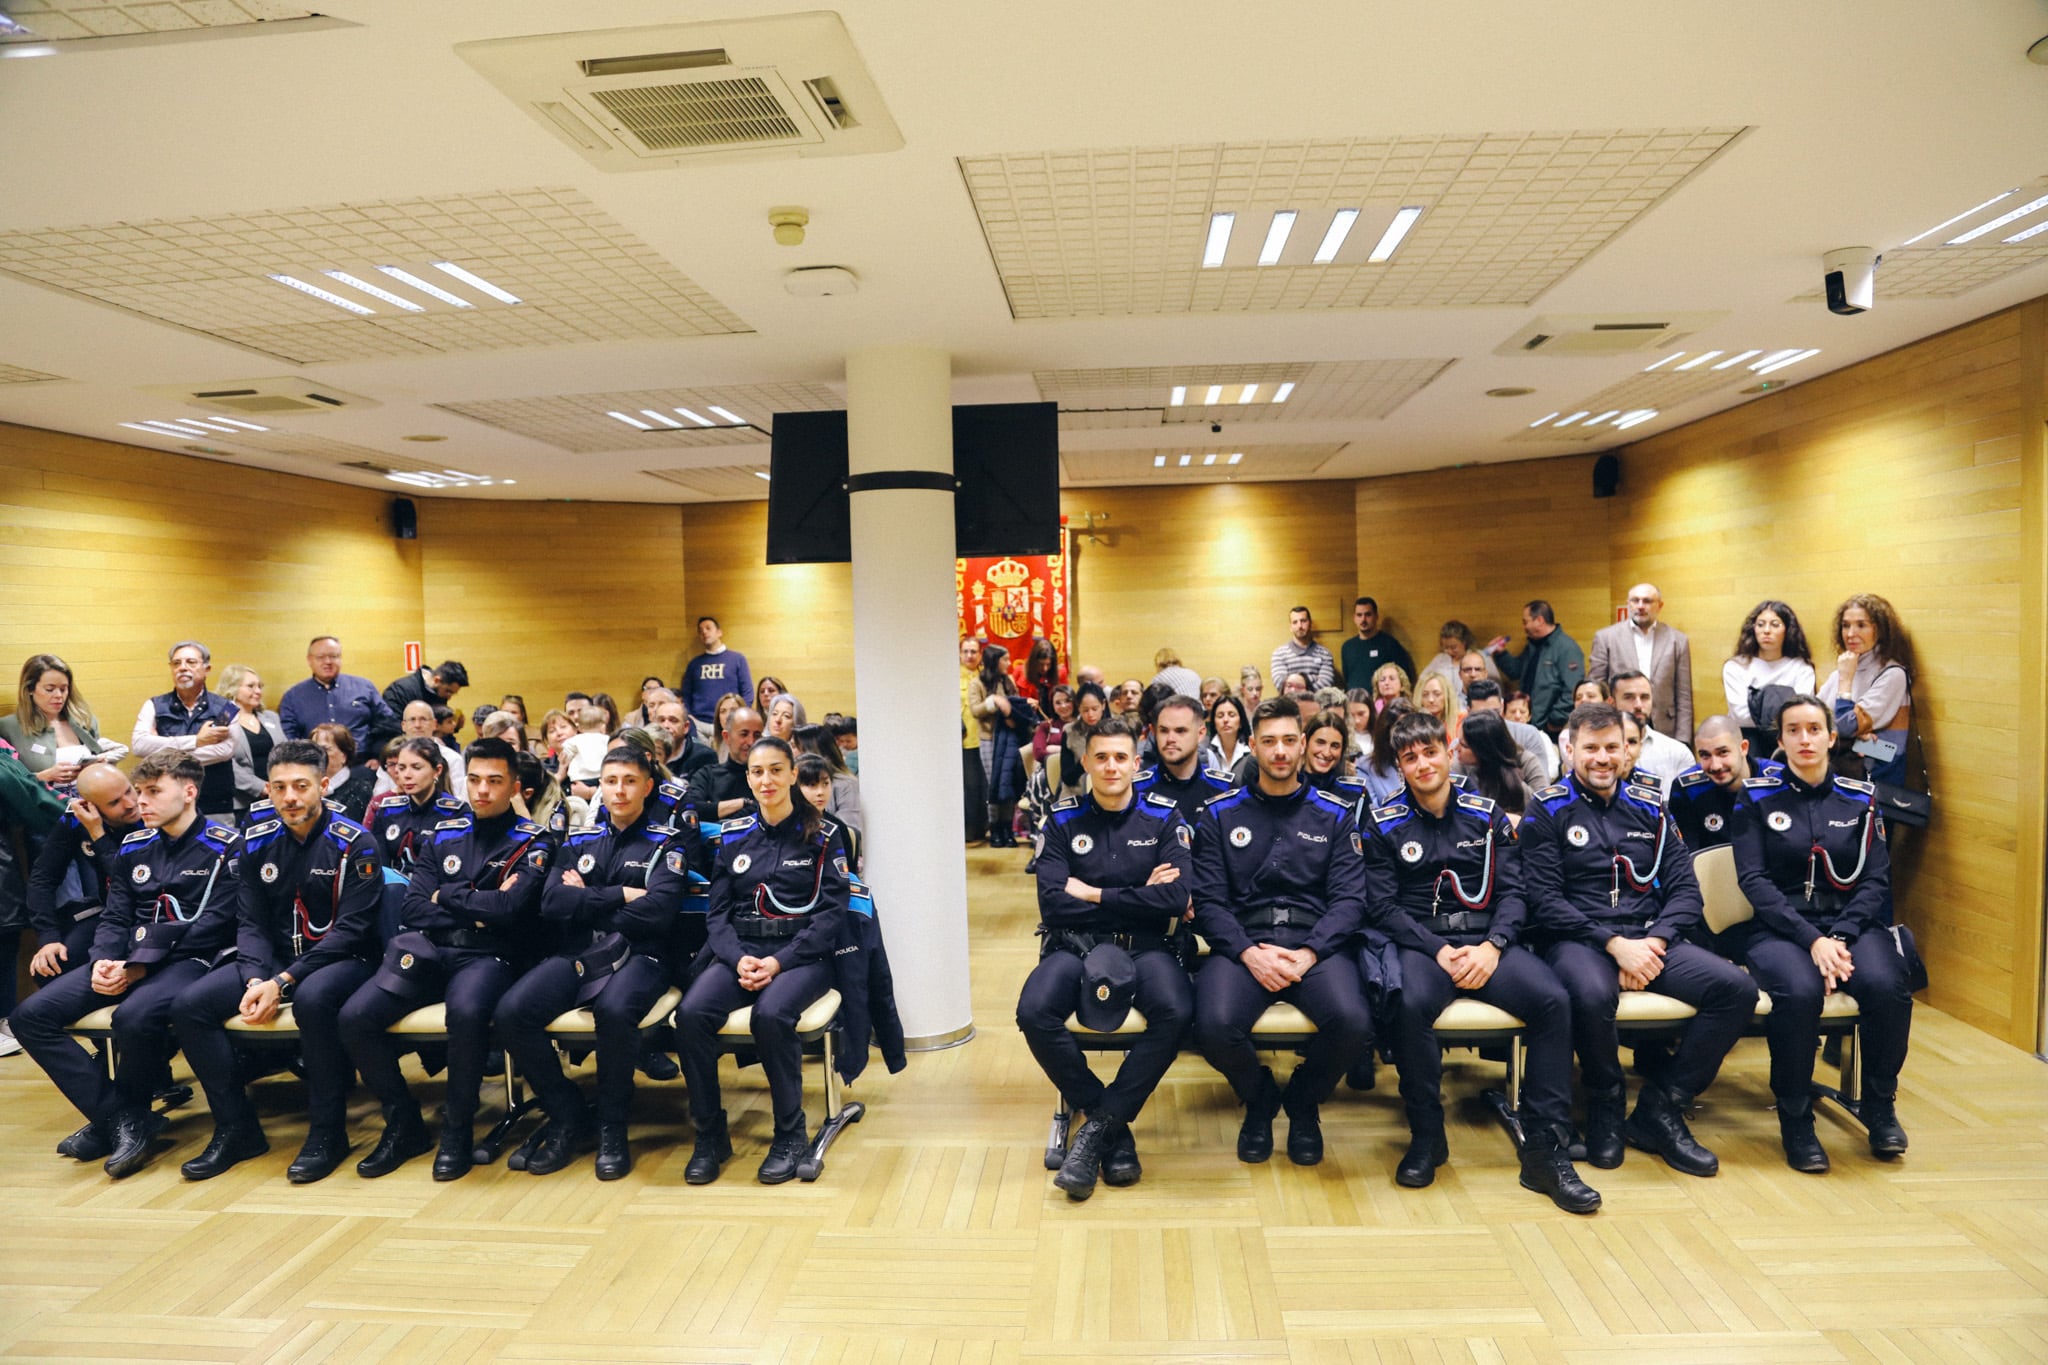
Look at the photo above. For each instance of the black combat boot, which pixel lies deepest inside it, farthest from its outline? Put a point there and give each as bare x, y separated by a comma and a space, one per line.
232, 1143
325, 1149
1085, 1153
1658, 1125
1427, 1149
457, 1152
1604, 1112
1803, 1151
1255, 1134
1304, 1123
786, 1151
1547, 1169
1120, 1168
714, 1149
89, 1143
1880, 1116
405, 1137
614, 1155
132, 1132
561, 1139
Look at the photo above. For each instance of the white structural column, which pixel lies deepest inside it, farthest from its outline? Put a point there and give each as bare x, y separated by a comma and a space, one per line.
906, 672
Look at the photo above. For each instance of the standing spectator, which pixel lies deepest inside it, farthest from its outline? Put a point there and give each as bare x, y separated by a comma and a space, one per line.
348, 785
1183, 680
254, 732
785, 716
1871, 687
973, 778
1659, 653
1771, 651
642, 715
1301, 654
433, 685
1548, 668
766, 691
1251, 686
1371, 647
993, 699
1663, 757
29, 811
715, 672
52, 729
1041, 671
190, 718
1454, 641
332, 696
1229, 746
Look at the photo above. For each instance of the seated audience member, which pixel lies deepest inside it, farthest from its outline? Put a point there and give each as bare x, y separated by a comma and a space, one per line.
1091, 673
1125, 700
1435, 840
1811, 854
348, 786
254, 731
814, 776
1229, 746
785, 714
1109, 885
471, 910
1174, 673
1611, 894
1871, 687
1538, 755
1550, 665
1471, 669
1517, 710
53, 731
309, 895
1065, 769
67, 886
844, 806
436, 686
192, 720
766, 690
1702, 799
1358, 714
1389, 682
643, 714
1279, 893
1178, 773
1149, 701
682, 752
1591, 690
170, 914
721, 791
557, 728
583, 755
332, 697
613, 895
403, 821
1380, 772
448, 723
1330, 699
493, 723
1296, 686
1326, 757
1251, 686
1498, 767
846, 730
1770, 652
1662, 757
1059, 714
416, 721
1212, 688
1436, 697
541, 799
778, 899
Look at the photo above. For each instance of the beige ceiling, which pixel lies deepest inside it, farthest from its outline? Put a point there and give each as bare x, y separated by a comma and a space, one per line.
1044, 222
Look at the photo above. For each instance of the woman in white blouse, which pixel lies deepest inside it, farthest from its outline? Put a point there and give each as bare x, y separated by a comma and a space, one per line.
1771, 652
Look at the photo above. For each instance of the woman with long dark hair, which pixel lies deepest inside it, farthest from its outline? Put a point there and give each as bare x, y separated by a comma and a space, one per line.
403, 821
1042, 671
1230, 738
1381, 773
778, 899
1326, 754
1871, 687
1488, 754
1770, 651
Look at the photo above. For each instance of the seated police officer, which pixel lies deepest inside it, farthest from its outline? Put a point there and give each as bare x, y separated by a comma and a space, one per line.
471, 912
1443, 881
403, 821
1109, 872
614, 891
1610, 890
310, 890
1178, 774
1703, 798
1810, 851
170, 912
67, 887
1279, 893
778, 900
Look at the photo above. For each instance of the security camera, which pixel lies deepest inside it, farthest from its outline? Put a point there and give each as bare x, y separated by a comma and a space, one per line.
1849, 275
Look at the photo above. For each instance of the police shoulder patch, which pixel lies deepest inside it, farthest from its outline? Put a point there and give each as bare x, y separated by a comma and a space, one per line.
1218, 775
1392, 813
1148, 775
334, 805
1461, 781
139, 837
739, 824
1160, 804
1852, 784
526, 828
661, 833
1067, 803
1470, 801
345, 831
1648, 795
1553, 791
1337, 804
450, 804
1693, 777
1764, 782
262, 830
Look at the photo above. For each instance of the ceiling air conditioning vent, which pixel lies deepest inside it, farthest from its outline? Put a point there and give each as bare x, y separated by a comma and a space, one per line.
283, 396
655, 98
1592, 334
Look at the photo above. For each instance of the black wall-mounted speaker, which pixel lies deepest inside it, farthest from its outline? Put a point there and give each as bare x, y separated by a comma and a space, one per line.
1606, 476
405, 519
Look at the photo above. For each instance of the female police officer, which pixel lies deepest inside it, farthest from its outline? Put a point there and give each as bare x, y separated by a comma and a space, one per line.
778, 899
1810, 853
403, 821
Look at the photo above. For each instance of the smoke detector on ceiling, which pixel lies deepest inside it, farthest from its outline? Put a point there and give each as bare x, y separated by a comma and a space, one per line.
639, 99
1600, 334
282, 396
821, 281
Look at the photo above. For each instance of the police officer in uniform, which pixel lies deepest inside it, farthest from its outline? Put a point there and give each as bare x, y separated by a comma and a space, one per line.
1610, 889
778, 900
1810, 851
1443, 881
170, 912
1110, 869
1279, 893
403, 821
614, 890
1178, 775
310, 889
1704, 797
470, 914
67, 887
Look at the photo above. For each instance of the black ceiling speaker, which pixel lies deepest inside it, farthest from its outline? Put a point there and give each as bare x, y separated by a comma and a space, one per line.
405, 519
1606, 476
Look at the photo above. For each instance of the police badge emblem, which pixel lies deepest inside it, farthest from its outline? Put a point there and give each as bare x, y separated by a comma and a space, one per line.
675, 861
405, 962
1240, 836
1577, 836
391, 831
1083, 844
141, 932
1186, 836
579, 966
1779, 820
586, 862
269, 873
1713, 823
742, 863
451, 864
1102, 992
140, 875
1411, 852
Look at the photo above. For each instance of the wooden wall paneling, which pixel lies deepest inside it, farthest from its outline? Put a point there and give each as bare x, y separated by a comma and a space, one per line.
794, 621
2029, 448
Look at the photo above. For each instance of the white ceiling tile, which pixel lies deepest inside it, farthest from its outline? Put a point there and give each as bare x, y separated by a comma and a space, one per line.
578, 422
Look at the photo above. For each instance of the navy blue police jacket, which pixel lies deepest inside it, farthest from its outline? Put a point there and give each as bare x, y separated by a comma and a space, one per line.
69, 880
403, 825
671, 800
1434, 881
1812, 858
1594, 869
156, 878
776, 893
1704, 811
1114, 850
305, 904
468, 865
1203, 786
1286, 870
649, 855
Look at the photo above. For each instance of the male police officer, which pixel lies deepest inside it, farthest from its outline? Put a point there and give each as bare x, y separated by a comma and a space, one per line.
67, 888
1109, 872
1279, 892
170, 911
469, 913
311, 887
1703, 798
1443, 880
1179, 775
1610, 888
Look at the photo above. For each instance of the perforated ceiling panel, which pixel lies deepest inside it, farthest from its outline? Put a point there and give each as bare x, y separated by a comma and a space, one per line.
15, 374
1506, 215
1664, 389
717, 481
1137, 397
59, 20
319, 450
1206, 463
578, 275
580, 422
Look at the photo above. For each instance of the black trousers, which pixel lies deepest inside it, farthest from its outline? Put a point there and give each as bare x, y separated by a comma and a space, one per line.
716, 993
1229, 1000
1163, 995
142, 1036
550, 989
77, 945
476, 981
204, 1007
975, 785
1724, 997
1792, 1027
1524, 987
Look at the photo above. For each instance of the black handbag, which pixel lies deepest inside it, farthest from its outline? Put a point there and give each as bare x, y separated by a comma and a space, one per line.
1902, 805
1765, 704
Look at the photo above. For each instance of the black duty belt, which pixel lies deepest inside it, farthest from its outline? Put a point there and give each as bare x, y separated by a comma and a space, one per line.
1281, 917
1080, 941
480, 940
775, 927
1458, 922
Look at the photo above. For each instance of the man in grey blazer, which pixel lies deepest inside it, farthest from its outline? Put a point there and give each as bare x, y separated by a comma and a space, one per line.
1643, 644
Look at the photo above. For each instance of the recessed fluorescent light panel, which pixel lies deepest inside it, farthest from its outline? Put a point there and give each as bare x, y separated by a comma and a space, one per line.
1966, 213
1235, 456
432, 291
292, 282
1333, 240
730, 416
1390, 240
1761, 361
1585, 419
446, 478
2030, 207
1219, 239
476, 282
1280, 394
629, 421
1180, 396
1276, 237
1215, 395
762, 475
365, 287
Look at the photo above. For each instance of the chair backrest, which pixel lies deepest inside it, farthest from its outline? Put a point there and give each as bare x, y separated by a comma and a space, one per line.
1726, 906
392, 912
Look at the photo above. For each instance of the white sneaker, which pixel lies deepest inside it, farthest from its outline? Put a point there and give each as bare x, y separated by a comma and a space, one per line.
8, 1044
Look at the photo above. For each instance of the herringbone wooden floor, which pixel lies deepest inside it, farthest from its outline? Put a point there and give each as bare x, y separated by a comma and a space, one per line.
935, 1234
